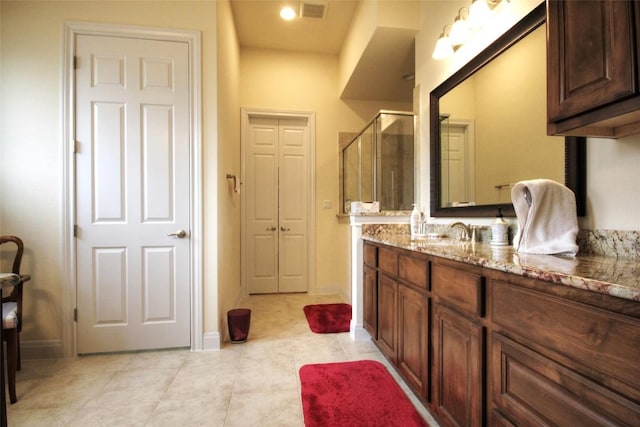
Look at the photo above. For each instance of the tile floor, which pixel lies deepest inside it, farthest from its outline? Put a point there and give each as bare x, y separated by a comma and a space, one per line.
250, 384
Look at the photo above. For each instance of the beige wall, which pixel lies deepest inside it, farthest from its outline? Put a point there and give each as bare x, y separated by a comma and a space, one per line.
32, 147
227, 203
274, 79
613, 166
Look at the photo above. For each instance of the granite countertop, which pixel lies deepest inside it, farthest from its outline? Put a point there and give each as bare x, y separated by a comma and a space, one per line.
616, 277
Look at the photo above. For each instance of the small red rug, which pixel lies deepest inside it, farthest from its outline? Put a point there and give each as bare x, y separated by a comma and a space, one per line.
328, 318
361, 393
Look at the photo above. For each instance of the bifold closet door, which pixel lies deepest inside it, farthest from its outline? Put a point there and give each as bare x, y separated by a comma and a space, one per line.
277, 188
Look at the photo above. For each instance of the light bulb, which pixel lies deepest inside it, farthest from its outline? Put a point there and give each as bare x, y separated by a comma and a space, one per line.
459, 31
443, 49
478, 13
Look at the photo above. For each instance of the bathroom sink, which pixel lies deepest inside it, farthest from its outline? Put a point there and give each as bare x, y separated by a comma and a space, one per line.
435, 240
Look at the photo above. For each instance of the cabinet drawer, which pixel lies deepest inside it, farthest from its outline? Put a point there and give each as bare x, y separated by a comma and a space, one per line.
388, 261
461, 289
603, 340
370, 255
531, 389
414, 270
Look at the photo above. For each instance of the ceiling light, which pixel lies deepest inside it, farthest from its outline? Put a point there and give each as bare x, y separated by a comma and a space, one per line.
287, 13
443, 47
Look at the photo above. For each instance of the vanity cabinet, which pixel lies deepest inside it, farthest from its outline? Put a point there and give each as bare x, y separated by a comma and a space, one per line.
401, 304
370, 290
562, 356
458, 345
370, 299
388, 302
388, 316
482, 347
593, 68
413, 321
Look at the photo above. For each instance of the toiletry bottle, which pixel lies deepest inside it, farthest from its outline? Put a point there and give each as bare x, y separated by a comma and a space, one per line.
414, 220
500, 231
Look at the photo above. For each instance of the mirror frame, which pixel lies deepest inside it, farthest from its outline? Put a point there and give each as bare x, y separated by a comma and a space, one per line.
575, 147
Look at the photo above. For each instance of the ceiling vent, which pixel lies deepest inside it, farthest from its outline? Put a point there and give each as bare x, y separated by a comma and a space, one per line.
316, 10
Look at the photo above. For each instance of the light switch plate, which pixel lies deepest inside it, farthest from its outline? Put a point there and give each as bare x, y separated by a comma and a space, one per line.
326, 204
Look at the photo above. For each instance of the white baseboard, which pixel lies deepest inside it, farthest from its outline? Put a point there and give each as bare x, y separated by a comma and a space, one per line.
211, 341
358, 333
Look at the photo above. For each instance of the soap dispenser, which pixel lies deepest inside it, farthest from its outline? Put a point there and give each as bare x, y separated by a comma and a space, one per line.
500, 231
414, 220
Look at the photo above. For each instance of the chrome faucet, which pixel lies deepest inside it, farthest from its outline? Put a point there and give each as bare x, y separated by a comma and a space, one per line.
466, 232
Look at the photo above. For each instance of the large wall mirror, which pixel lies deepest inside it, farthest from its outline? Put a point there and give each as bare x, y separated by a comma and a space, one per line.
488, 128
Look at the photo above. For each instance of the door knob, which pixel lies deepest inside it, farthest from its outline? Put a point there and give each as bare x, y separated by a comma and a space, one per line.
284, 228
179, 234
272, 228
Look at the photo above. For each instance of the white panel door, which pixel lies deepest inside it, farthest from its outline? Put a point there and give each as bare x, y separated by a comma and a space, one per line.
132, 194
459, 158
261, 186
277, 190
292, 207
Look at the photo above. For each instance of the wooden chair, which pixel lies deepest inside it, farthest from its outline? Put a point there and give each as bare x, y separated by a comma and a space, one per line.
12, 317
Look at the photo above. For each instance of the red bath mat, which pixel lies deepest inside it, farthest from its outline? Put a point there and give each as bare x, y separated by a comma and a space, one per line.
361, 393
328, 318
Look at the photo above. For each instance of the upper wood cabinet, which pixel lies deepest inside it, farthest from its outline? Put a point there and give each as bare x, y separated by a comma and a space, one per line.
592, 68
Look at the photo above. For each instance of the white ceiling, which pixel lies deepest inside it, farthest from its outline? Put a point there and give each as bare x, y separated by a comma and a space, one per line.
258, 24
378, 75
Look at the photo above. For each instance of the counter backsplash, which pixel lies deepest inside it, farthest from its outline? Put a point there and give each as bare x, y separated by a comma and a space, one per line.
610, 243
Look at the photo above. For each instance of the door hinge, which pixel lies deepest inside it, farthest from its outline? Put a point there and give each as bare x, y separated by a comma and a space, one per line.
75, 62
75, 314
75, 230
76, 147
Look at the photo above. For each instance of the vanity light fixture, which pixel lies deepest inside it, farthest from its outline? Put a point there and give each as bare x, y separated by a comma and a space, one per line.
443, 49
287, 13
467, 21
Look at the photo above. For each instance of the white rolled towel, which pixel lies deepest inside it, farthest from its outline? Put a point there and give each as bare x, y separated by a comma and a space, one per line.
547, 219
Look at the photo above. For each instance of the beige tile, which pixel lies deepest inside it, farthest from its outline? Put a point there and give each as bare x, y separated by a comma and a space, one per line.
274, 409
51, 417
124, 396
213, 382
157, 359
267, 377
318, 348
64, 391
133, 414
192, 412
250, 384
147, 379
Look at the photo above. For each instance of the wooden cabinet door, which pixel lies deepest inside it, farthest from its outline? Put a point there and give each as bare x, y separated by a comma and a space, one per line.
591, 55
457, 372
531, 389
370, 301
413, 324
388, 316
